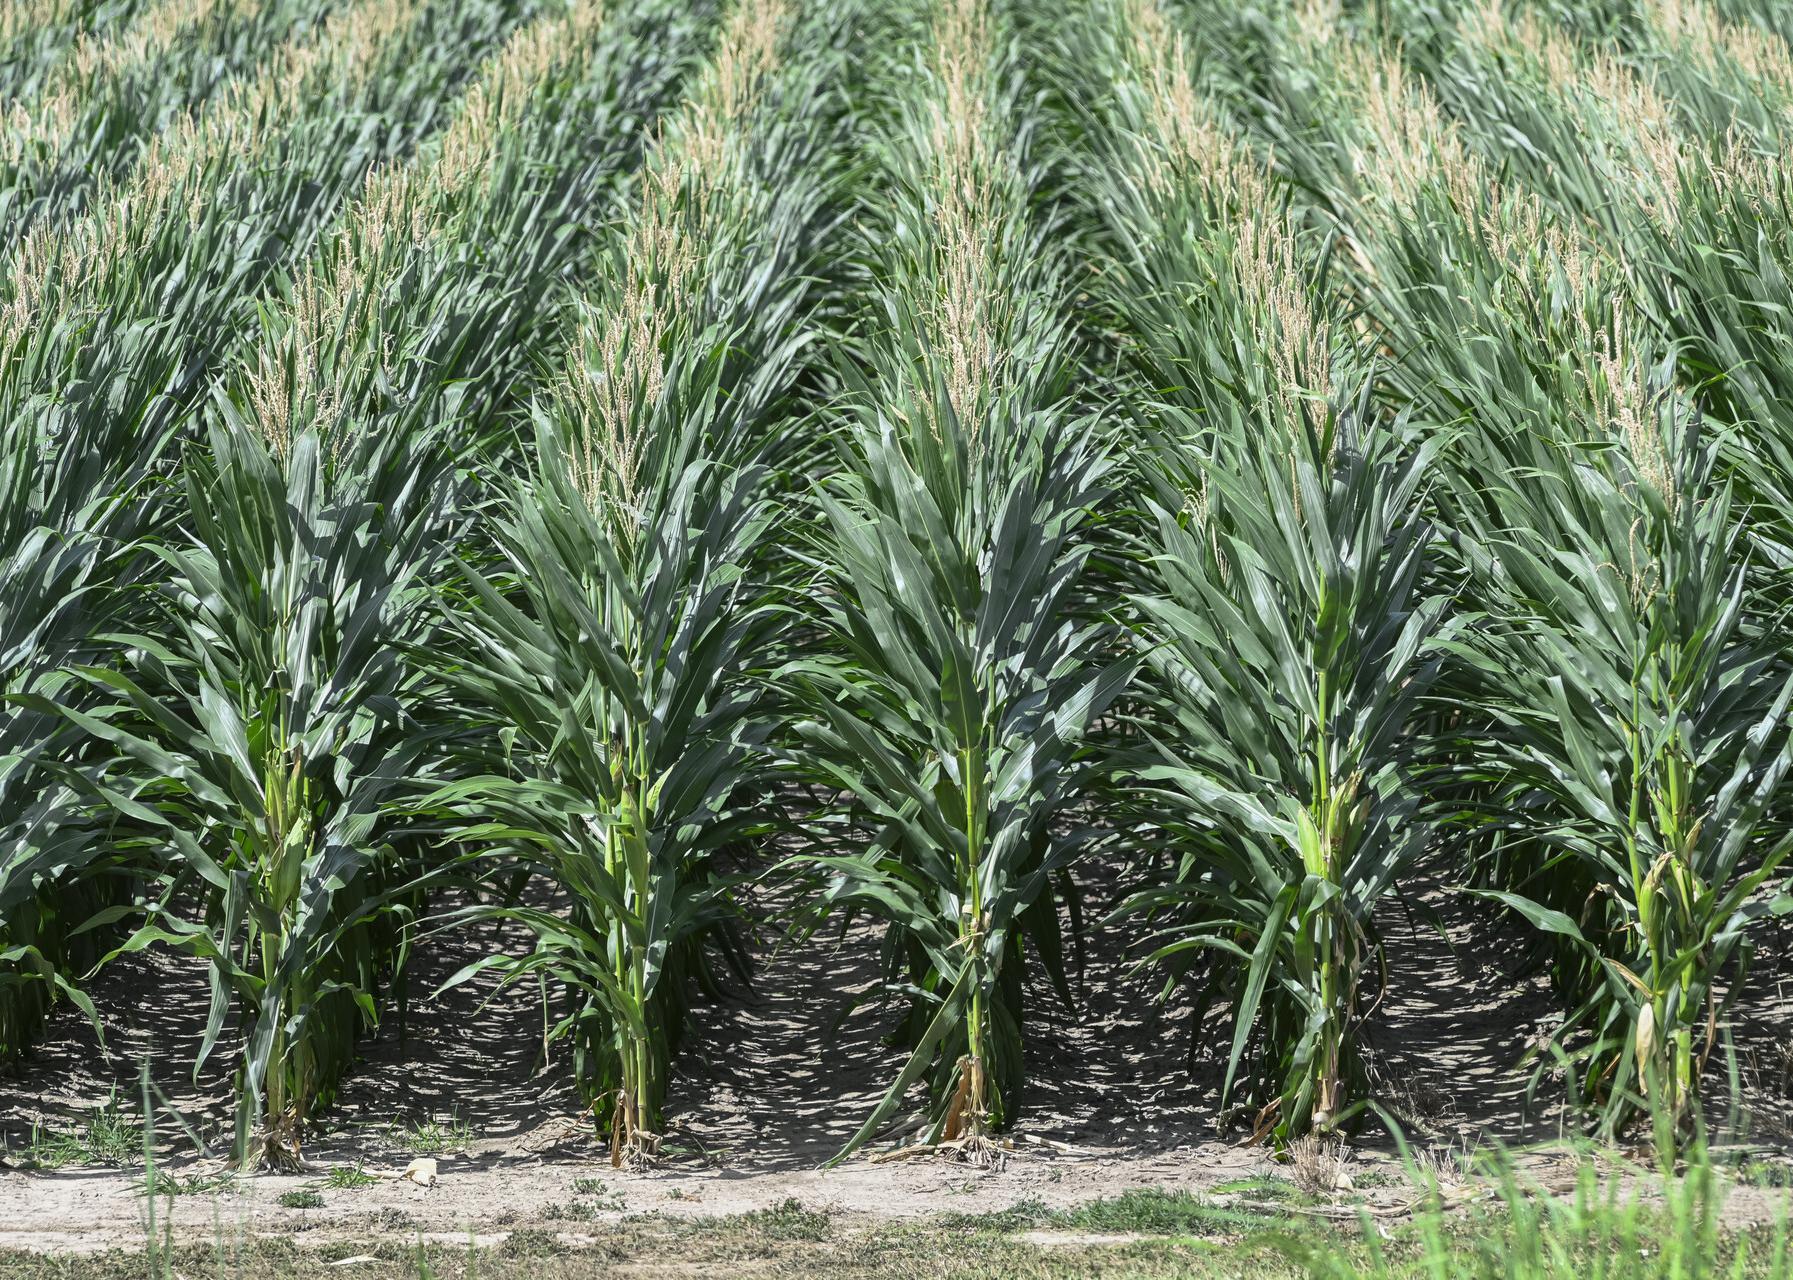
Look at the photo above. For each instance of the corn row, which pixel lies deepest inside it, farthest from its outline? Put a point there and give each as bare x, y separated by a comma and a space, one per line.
325, 357
1691, 264
94, 117
1519, 329
1620, 132
179, 243
109, 324
1278, 567
631, 549
958, 449
1725, 73
73, 269
45, 122
682, 345
683, 263
37, 35
310, 959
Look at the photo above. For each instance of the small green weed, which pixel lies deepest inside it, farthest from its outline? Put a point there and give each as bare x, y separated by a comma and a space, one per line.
160, 1183
107, 1137
528, 1242
788, 1220
604, 1198
432, 1137
1766, 1173
1261, 1187
348, 1178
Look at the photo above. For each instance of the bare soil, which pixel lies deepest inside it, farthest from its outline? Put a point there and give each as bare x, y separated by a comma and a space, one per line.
767, 1089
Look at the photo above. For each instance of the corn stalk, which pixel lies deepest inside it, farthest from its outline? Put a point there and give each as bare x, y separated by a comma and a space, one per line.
953, 555
1643, 729
1287, 618
613, 657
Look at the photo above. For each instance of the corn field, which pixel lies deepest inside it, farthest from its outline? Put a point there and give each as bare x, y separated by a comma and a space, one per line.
984, 471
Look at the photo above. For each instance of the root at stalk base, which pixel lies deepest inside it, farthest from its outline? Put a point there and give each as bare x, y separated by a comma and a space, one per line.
965, 1132
636, 1159
276, 1148
981, 1151
633, 1146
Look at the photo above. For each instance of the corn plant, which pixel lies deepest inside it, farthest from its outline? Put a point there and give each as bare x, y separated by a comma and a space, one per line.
1286, 618
618, 678
64, 580
273, 714
1290, 641
1624, 734
1642, 728
614, 657
970, 661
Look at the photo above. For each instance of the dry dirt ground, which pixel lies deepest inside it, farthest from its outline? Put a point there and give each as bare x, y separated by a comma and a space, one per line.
765, 1091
